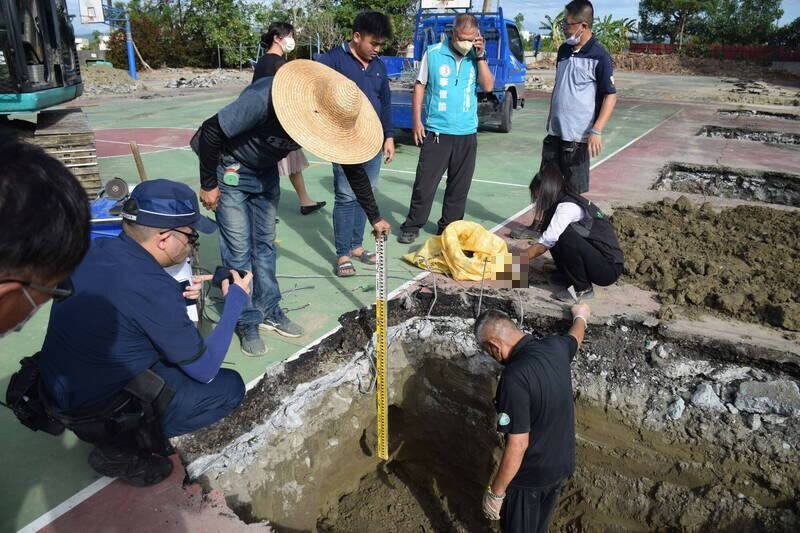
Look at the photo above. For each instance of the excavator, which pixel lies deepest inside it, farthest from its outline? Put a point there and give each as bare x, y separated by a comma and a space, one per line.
39, 70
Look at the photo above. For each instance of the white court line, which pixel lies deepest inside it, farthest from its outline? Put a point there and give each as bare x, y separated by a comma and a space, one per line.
69, 503
101, 483
147, 145
148, 128
384, 169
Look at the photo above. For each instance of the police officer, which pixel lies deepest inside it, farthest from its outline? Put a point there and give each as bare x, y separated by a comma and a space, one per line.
127, 316
45, 230
535, 412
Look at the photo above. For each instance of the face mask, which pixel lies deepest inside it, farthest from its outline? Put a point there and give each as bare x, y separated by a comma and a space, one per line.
572, 40
462, 47
34, 308
287, 45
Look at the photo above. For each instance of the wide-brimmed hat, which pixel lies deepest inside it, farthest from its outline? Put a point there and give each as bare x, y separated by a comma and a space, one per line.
326, 113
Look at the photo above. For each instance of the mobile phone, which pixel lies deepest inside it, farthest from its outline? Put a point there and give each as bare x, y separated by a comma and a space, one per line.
223, 273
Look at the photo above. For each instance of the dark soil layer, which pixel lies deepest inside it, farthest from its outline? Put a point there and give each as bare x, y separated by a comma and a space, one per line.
741, 262
390, 500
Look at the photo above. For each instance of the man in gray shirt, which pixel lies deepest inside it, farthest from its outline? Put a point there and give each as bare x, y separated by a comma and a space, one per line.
583, 99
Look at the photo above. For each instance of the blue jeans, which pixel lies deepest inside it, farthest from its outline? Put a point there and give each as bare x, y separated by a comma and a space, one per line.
349, 218
197, 405
246, 218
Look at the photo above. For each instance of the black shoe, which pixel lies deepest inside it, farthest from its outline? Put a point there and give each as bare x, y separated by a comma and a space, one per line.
134, 467
407, 237
308, 209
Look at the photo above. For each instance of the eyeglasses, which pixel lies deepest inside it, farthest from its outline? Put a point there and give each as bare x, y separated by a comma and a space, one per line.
564, 24
191, 238
57, 293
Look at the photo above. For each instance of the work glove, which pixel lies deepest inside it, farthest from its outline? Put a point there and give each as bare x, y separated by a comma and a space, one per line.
492, 505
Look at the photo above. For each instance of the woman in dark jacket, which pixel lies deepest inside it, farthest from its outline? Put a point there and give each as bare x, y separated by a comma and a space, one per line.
279, 40
577, 233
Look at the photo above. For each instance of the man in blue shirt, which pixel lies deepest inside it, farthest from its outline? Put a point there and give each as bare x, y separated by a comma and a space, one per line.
358, 60
127, 315
448, 74
583, 99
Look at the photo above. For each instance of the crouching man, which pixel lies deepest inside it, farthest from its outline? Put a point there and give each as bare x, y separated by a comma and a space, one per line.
121, 353
535, 412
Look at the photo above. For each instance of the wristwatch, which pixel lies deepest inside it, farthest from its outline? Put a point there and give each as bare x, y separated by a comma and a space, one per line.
481, 58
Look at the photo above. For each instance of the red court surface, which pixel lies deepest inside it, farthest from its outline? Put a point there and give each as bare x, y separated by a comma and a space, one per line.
116, 142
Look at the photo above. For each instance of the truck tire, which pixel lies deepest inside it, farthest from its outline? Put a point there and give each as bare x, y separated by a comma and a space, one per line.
505, 112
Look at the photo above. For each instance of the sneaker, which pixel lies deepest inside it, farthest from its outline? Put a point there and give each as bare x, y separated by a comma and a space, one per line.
526, 233
252, 345
135, 467
407, 237
284, 327
566, 297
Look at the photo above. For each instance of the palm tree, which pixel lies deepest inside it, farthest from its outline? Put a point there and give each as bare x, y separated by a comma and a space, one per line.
553, 25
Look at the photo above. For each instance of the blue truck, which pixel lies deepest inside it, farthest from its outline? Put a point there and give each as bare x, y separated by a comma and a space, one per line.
506, 60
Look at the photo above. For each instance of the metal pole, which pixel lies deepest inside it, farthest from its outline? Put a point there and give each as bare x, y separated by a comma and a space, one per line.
129, 45
318, 45
487, 5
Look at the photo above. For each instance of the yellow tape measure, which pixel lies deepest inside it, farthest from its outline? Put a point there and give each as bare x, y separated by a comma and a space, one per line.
380, 349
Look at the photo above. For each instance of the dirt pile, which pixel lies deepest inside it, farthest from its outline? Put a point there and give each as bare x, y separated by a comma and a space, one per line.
740, 262
678, 64
207, 80
104, 80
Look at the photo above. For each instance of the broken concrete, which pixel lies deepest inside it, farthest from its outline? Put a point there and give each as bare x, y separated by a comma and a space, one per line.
757, 113
772, 397
764, 186
748, 134
305, 436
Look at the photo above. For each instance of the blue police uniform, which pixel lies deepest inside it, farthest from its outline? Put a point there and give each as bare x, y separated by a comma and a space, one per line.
127, 314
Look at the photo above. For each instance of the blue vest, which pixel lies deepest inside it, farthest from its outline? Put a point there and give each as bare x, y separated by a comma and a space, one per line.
451, 103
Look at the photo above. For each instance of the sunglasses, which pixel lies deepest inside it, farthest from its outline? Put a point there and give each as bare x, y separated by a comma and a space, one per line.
191, 238
63, 290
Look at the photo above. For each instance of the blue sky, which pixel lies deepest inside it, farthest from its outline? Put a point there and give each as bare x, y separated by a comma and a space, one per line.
534, 11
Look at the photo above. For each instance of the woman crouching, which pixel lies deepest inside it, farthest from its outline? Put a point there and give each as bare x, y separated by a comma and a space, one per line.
578, 235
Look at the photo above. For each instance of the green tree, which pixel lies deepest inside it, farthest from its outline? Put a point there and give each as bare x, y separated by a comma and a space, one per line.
518, 20
613, 34
788, 35
748, 22
669, 18
553, 25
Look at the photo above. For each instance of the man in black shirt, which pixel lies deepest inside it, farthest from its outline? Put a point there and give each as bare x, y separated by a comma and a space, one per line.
535, 411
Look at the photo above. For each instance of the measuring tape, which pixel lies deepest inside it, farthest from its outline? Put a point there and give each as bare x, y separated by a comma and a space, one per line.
380, 349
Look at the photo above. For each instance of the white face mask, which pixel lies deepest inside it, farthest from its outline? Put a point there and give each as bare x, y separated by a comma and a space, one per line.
287, 45
572, 40
462, 47
34, 308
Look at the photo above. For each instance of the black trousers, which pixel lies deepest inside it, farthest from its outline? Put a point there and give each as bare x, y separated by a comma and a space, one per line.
571, 157
454, 154
528, 510
581, 263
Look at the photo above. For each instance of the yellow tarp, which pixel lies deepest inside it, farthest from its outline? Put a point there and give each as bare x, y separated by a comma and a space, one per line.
461, 251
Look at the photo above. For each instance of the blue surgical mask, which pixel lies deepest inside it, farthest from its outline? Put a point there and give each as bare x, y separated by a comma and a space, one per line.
34, 308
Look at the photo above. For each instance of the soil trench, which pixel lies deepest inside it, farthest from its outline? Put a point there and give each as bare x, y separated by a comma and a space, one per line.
770, 187
671, 434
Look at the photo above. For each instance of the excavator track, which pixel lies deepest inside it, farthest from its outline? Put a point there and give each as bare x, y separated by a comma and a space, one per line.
65, 134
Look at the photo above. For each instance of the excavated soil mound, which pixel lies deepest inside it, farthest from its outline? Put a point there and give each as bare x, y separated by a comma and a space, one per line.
741, 262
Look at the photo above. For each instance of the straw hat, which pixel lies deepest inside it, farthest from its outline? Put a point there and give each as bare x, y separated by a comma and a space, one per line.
326, 113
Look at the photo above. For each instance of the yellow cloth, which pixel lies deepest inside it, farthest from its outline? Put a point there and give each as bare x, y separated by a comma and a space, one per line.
446, 253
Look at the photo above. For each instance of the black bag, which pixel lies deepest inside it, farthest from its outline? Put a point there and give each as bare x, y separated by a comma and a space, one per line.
24, 397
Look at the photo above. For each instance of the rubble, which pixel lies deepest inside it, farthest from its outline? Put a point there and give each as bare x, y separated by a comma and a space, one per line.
771, 397
704, 397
